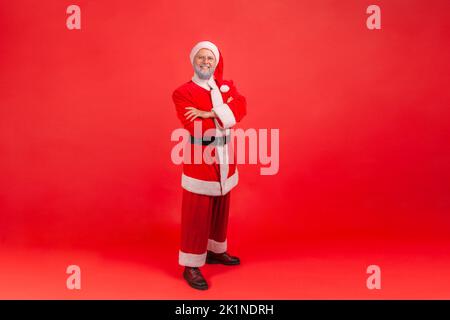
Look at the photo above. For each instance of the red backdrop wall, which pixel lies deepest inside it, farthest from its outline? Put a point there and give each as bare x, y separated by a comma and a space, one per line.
86, 117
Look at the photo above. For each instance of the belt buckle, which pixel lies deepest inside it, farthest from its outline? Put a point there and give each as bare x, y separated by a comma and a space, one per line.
210, 140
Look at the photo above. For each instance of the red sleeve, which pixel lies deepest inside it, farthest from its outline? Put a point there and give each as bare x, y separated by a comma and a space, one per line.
181, 102
239, 105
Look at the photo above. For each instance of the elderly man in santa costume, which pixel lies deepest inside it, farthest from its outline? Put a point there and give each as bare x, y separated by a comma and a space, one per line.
217, 106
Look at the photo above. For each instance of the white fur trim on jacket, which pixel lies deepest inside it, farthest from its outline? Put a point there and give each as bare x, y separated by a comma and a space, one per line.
217, 247
191, 259
209, 188
225, 115
222, 110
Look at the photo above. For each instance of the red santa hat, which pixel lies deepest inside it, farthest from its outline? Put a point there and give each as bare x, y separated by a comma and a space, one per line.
218, 73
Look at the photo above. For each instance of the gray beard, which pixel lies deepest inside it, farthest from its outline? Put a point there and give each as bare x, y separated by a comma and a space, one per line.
204, 75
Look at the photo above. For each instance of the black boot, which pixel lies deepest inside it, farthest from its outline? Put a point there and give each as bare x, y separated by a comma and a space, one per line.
195, 278
222, 258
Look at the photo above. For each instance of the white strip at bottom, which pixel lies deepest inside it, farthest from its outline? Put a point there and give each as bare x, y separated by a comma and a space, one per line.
191, 259
217, 247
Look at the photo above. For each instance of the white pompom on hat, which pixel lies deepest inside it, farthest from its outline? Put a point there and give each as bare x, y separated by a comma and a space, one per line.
205, 45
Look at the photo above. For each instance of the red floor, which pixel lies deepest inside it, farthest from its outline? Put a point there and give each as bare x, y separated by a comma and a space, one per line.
326, 270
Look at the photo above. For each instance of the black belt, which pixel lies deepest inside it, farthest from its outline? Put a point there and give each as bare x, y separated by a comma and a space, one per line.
208, 140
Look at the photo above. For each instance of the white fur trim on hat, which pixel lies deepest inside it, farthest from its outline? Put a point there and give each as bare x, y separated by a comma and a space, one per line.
204, 45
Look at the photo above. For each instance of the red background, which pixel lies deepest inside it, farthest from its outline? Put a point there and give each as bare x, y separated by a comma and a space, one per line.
86, 117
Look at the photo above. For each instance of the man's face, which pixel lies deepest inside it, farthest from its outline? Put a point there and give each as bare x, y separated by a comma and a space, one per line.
204, 64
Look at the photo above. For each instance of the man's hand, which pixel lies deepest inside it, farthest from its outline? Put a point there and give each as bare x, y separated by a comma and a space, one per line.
194, 113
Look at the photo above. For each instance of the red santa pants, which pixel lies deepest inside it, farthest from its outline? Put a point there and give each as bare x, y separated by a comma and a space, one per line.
204, 221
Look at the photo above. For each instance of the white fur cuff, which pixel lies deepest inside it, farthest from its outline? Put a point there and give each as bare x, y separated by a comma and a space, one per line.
217, 247
225, 115
191, 259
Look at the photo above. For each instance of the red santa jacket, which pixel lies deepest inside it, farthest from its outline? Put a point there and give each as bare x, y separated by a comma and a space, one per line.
213, 179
